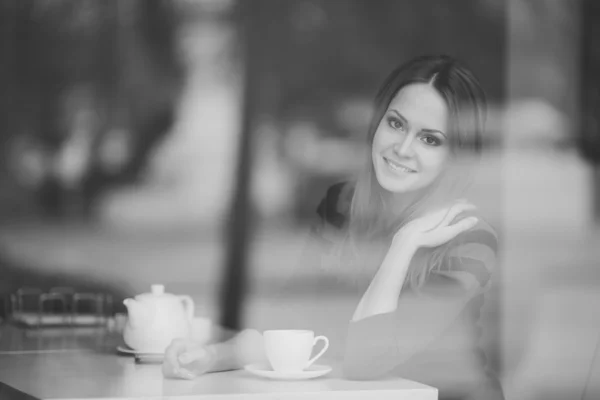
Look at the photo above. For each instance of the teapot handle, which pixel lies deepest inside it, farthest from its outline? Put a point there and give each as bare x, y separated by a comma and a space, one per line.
189, 306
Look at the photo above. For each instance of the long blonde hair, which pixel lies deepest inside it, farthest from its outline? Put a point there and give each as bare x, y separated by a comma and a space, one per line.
372, 222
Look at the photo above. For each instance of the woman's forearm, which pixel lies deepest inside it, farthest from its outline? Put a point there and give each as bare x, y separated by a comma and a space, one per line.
382, 294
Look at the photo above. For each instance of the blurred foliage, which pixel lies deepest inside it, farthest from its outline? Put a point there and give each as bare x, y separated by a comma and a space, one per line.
590, 85
314, 52
589, 131
114, 60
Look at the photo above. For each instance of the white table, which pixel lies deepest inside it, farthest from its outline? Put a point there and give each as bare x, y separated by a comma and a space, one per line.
86, 374
70, 366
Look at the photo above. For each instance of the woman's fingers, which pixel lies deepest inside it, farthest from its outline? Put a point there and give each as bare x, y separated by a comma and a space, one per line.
171, 370
445, 234
183, 373
434, 228
171, 363
178, 356
454, 211
196, 355
452, 231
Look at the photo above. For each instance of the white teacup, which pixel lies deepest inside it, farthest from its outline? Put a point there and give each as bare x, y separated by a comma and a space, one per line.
290, 350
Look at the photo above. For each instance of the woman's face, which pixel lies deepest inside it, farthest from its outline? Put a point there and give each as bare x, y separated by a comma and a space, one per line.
410, 146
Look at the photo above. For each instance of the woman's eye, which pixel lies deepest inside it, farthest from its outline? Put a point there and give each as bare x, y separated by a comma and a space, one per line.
395, 123
431, 140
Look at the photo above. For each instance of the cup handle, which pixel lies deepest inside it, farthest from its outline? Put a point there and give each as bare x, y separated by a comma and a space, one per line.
323, 350
189, 306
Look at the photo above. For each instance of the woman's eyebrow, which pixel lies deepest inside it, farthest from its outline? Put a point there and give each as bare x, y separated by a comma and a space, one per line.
422, 130
400, 116
434, 131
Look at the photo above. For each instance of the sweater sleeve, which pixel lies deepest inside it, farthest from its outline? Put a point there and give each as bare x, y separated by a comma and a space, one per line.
377, 344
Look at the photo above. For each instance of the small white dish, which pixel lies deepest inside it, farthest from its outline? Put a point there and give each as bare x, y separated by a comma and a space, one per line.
265, 371
127, 350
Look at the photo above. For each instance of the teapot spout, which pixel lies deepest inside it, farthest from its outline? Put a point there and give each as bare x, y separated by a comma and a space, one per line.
138, 314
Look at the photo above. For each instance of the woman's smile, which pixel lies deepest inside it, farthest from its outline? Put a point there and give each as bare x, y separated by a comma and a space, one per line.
395, 166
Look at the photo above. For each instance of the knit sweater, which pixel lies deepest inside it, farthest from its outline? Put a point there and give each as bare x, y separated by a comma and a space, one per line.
433, 335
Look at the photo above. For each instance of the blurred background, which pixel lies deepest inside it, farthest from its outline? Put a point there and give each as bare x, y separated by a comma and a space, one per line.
189, 142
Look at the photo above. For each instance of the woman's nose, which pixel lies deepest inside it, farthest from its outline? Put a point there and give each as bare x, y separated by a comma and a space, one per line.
404, 147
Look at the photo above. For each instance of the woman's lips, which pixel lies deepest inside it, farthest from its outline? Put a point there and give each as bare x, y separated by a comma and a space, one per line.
396, 166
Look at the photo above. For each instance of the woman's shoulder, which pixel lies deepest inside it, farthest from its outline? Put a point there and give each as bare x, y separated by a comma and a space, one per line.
482, 234
334, 207
473, 255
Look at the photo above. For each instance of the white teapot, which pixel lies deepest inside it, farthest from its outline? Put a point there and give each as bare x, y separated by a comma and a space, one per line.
156, 318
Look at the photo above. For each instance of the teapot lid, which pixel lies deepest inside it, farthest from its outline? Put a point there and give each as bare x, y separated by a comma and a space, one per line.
157, 291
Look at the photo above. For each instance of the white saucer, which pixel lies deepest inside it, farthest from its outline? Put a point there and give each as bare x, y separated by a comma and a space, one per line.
127, 350
265, 371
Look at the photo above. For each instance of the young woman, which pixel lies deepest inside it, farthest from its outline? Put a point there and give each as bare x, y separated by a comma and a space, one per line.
403, 226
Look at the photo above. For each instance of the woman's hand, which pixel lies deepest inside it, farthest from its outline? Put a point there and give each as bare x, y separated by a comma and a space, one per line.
187, 359
435, 229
